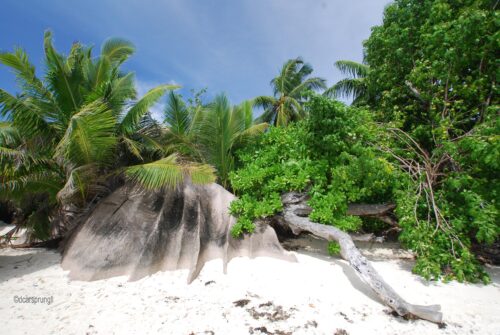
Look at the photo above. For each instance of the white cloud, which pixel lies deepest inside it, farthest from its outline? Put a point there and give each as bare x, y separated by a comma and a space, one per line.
232, 46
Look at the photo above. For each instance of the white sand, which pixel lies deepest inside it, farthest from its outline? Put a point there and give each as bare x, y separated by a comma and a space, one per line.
19, 238
317, 295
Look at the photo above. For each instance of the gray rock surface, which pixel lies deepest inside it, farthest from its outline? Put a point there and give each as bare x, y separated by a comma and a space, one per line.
137, 233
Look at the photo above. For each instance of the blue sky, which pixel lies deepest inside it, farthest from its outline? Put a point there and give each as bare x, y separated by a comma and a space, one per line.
231, 46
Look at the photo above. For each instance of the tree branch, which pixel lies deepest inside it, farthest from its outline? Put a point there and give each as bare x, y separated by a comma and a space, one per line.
293, 201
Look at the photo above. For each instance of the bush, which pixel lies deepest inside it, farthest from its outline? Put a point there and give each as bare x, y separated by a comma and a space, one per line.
336, 155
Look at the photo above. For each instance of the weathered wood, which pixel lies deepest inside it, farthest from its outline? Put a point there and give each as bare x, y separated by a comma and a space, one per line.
293, 201
369, 209
382, 212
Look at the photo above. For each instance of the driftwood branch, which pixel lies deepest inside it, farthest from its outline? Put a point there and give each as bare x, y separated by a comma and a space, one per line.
296, 203
382, 212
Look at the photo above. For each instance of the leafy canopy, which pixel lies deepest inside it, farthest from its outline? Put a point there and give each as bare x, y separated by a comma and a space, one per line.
79, 124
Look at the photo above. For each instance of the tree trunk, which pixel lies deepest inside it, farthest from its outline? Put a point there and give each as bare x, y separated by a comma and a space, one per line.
296, 203
383, 212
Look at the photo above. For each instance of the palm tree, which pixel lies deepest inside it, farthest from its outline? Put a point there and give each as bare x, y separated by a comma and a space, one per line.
182, 127
212, 133
356, 86
289, 88
64, 132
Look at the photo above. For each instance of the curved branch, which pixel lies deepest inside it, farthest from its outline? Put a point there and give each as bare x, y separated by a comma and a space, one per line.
295, 201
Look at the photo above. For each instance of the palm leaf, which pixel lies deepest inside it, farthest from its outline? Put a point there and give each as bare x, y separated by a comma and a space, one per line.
284, 80
117, 50
9, 135
59, 74
268, 116
251, 132
353, 69
168, 172
134, 147
18, 61
26, 116
134, 115
265, 102
81, 183
99, 73
176, 114
315, 83
90, 136
347, 88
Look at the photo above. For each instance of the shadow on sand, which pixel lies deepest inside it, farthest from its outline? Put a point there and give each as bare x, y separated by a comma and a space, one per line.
17, 263
317, 248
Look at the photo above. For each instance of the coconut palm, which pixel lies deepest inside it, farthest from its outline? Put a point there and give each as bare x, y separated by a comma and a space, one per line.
64, 132
210, 134
355, 87
182, 127
289, 89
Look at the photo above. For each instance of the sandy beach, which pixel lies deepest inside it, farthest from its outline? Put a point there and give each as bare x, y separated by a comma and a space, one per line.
318, 295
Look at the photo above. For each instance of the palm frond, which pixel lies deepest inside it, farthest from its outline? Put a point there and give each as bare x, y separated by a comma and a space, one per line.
176, 114
81, 183
294, 108
18, 61
9, 135
115, 91
168, 172
251, 132
134, 147
305, 70
346, 88
265, 102
90, 136
58, 74
31, 182
134, 115
268, 116
117, 50
99, 73
283, 82
200, 173
353, 69
11, 153
25, 115
31, 86
315, 83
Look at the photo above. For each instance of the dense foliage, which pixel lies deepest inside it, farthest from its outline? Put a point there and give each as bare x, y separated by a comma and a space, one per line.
329, 155
434, 65
429, 79
340, 156
433, 73
67, 133
210, 133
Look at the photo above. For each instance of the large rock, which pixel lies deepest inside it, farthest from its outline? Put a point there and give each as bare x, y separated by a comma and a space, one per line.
136, 232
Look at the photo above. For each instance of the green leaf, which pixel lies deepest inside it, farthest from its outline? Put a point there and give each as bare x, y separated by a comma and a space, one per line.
117, 50
140, 108
90, 136
168, 172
